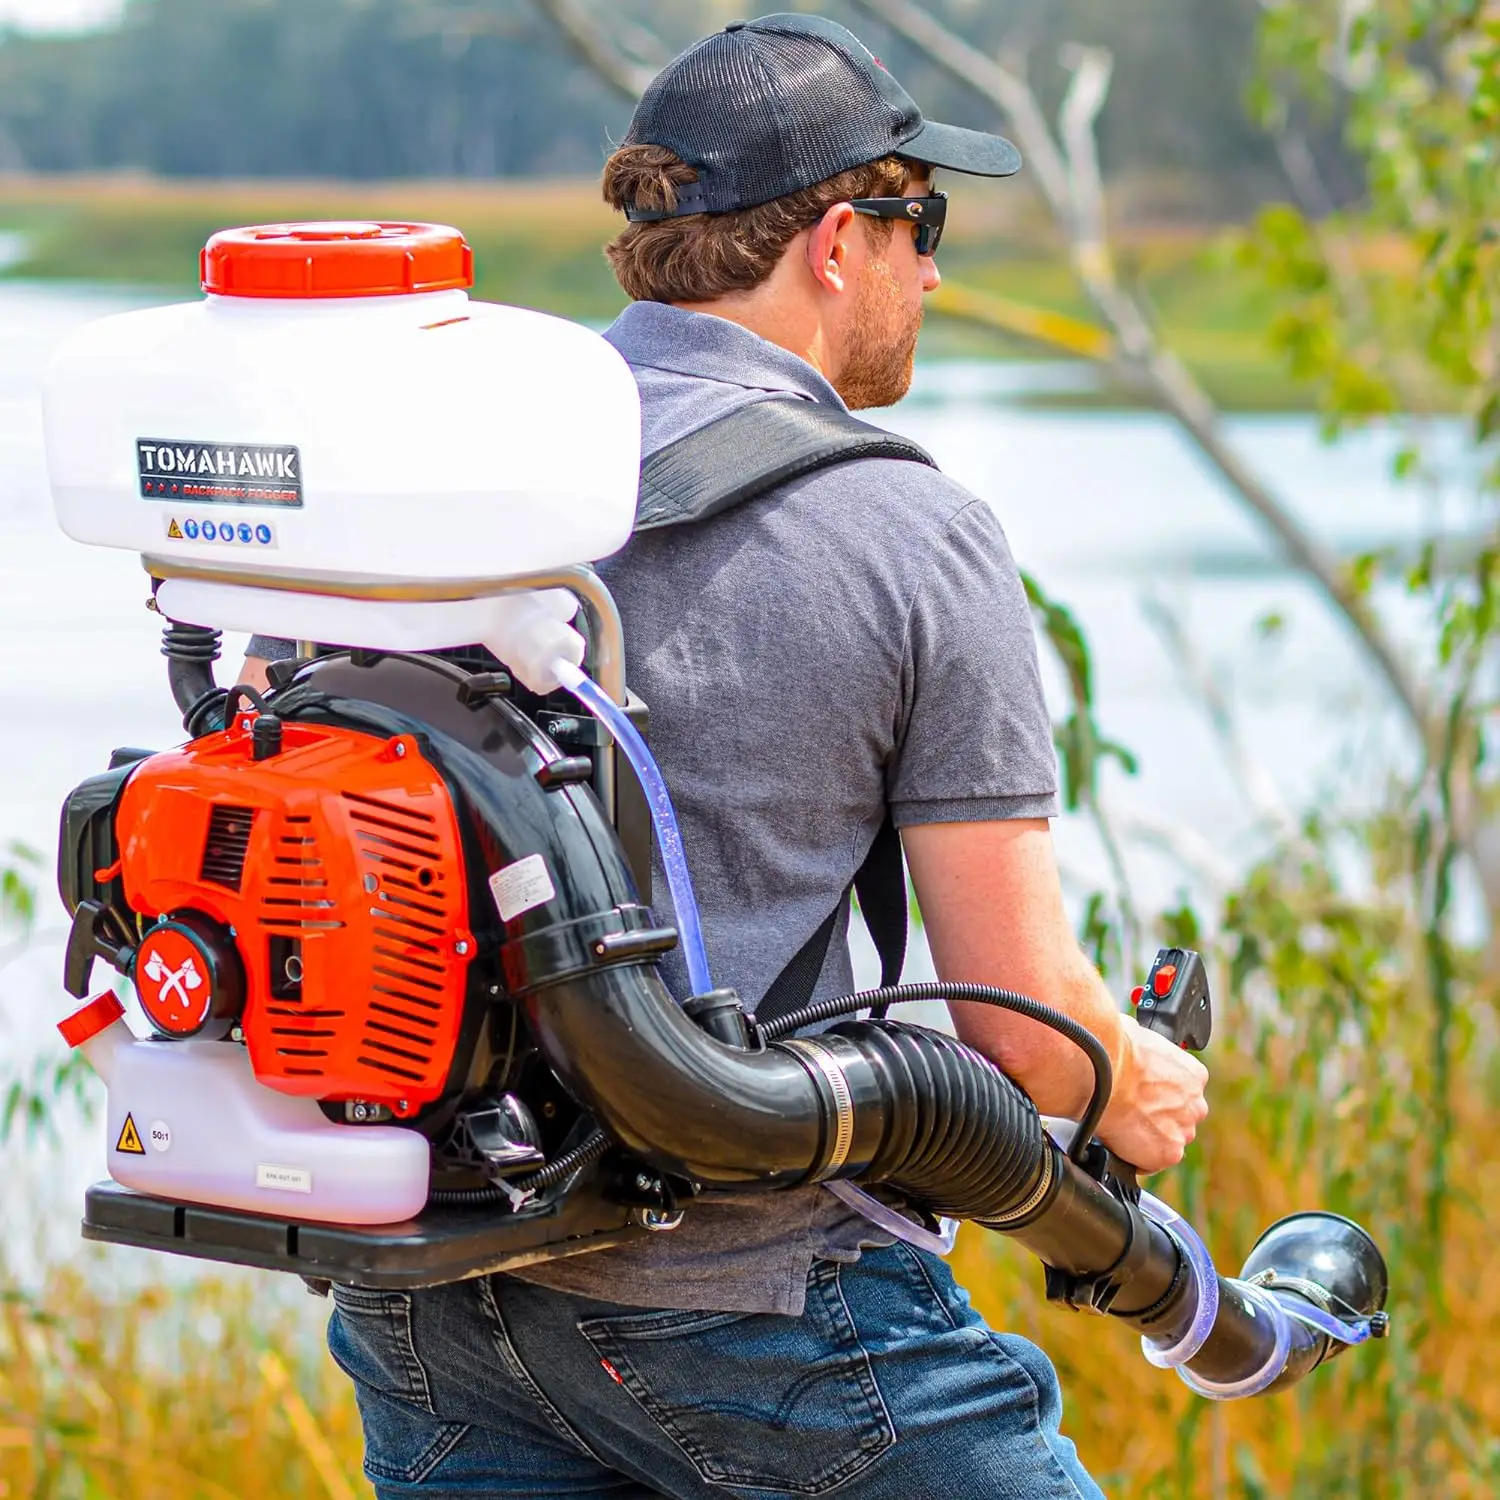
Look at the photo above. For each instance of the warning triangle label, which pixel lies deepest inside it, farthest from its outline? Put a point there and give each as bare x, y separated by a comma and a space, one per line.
174, 532
130, 1138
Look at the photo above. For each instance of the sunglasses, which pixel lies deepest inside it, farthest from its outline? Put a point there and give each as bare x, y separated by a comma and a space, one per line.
926, 215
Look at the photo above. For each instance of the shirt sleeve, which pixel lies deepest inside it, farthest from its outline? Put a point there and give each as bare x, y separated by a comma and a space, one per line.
974, 740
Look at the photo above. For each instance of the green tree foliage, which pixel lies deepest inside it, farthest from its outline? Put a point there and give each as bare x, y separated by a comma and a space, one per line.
29, 1100
1390, 307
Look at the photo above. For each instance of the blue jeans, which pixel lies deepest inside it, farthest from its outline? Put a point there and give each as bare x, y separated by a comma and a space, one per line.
888, 1385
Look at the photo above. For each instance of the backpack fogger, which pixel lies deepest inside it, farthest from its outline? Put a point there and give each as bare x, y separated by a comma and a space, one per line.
386, 920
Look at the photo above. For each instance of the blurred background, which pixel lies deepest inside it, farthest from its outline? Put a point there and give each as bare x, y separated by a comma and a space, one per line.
1224, 361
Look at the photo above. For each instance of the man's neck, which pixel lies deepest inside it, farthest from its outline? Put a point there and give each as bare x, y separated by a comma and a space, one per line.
786, 328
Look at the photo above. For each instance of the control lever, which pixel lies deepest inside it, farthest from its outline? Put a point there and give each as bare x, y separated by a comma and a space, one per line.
1174, 1001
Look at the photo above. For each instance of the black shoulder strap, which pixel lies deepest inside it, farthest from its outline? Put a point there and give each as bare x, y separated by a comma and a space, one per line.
880, 884
753, 450
746, 454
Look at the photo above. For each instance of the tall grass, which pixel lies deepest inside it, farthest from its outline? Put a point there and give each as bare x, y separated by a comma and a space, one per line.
191, 1392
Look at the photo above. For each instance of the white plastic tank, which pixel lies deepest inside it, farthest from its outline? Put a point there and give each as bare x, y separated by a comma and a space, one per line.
187, 1120
337, 408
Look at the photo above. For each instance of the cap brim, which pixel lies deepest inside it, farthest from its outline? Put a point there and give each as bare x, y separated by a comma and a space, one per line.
959, 150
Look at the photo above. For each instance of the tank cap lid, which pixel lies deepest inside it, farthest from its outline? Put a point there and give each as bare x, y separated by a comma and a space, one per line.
89, 1020
337, 259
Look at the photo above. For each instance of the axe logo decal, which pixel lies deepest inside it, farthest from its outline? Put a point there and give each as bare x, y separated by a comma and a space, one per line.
175, 979
174, 984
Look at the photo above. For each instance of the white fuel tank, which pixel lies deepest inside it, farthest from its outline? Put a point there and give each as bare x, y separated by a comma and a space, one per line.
189, 1120
338, 408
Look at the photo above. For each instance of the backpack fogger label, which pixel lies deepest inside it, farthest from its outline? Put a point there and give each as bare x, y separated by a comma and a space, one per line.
219, 473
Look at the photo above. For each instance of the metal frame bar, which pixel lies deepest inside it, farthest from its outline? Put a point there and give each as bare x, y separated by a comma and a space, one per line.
604, 660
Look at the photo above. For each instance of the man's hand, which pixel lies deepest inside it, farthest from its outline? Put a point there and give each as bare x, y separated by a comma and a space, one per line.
1158, 1101
992, 904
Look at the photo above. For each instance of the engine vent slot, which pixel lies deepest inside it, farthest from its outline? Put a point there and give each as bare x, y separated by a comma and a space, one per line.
296, 898
226, 846
412, 913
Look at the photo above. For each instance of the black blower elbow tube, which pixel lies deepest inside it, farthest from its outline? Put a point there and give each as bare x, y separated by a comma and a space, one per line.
1130, 1267
890, 1103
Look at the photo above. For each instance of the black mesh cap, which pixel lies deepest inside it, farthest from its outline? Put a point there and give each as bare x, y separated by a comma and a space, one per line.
768, 107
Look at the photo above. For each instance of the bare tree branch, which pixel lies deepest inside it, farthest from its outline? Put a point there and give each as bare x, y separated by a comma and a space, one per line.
588, 40
1091, 68
1252, 778
1163, 375
1196, 854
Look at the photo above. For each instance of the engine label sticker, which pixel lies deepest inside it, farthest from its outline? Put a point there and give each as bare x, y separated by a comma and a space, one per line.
519, 887
180, 528
283, 1179
160, 1136
130, 1139
219, 473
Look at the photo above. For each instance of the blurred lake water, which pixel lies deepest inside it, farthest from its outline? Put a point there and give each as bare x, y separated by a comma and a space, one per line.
1106, 508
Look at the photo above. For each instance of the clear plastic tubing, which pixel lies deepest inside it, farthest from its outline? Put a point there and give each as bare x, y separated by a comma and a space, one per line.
1280, 1317
893, 1221
1206, 1283
679, 881
1159, 1352
1254, 1383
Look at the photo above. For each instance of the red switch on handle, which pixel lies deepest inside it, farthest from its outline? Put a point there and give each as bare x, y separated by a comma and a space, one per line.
1174, 1002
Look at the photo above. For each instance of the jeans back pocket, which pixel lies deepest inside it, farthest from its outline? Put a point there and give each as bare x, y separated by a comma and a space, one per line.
370, 1338
760, 1401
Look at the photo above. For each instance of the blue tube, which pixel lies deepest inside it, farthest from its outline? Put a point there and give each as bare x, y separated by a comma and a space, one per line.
679, 881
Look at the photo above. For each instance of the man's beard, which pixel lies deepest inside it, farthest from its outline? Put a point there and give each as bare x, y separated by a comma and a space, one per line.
881, 348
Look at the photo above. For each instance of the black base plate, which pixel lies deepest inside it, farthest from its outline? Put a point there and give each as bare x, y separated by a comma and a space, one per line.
440, 1245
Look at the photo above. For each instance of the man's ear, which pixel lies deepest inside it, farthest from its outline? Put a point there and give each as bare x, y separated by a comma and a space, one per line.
829, 246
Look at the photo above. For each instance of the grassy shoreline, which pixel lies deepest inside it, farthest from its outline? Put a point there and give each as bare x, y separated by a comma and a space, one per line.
539, 244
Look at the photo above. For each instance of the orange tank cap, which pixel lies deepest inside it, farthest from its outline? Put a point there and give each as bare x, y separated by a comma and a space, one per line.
354, 259
89, 1020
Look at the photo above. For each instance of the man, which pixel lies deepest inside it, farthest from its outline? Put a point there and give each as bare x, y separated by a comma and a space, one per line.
855, 642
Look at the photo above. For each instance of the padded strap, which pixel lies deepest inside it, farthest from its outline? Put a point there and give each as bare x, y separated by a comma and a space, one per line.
753, 450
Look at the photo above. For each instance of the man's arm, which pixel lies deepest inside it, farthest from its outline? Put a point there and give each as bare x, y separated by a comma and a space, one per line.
253, 673
992, 905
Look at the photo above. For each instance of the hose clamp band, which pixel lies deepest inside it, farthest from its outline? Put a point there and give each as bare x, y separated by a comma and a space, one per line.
823, 1059
1033, 1201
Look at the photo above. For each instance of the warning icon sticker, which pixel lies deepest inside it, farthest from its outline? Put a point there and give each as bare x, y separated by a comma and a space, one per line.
130, 1139
174, 531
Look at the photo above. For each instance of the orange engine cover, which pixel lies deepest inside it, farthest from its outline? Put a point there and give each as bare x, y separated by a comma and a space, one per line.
338, 864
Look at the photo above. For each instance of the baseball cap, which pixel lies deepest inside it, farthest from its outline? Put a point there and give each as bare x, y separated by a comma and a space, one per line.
768, 107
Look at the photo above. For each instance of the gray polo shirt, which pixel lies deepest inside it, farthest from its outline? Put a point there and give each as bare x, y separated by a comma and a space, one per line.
857, 639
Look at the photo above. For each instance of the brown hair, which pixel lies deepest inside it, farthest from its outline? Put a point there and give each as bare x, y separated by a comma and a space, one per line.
702, 256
